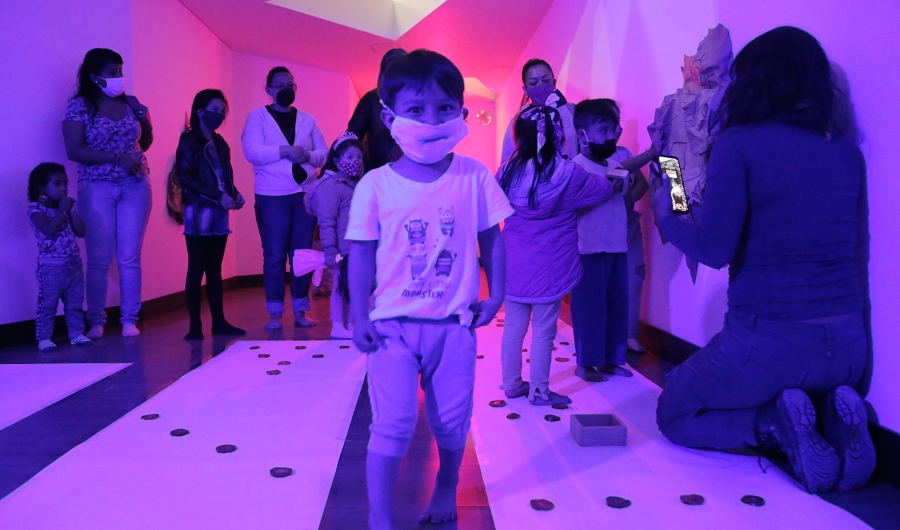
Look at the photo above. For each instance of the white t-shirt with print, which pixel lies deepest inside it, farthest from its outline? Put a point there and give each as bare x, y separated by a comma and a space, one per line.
427, 257
604, 228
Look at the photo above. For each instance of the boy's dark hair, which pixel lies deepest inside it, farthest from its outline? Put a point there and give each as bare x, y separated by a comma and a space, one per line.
525, 132
201, 100
95, 61
275, 71
389, 57
40, 176
591, 111
415, 70
338, 151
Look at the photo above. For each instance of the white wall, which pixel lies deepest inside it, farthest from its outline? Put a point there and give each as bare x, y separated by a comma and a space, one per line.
42, 43
632, 50
328, 96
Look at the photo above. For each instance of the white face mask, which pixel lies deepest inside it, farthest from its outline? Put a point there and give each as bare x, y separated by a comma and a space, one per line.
427, 144
115, 86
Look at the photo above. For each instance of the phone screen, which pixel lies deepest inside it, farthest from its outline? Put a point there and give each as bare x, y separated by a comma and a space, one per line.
672, 169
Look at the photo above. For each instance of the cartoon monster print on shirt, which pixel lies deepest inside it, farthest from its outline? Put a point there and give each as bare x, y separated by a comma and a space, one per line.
448, 220
444, 263
417, 265
416, 231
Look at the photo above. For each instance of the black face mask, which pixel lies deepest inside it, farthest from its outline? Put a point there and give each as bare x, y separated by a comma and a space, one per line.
212, 120
602, 151
285, 97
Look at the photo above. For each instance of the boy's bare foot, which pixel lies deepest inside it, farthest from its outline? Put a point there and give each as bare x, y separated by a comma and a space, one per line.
442, 506
274, 322
616, 370
130, 330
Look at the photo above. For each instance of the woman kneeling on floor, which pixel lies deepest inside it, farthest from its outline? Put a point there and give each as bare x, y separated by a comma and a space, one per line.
785, 208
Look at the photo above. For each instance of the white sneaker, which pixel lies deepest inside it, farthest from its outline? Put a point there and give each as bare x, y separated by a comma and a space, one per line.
80, 340
340, 332
46, 345
633, 345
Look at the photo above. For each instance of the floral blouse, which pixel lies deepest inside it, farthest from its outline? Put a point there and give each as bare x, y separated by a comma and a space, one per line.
104, 134
60, 246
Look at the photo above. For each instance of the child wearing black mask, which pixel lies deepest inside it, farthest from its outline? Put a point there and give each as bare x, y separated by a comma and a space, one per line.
203, 166
600, 298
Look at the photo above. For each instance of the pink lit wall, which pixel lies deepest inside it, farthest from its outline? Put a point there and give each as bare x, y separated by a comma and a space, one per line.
42, 43
329, 96
631, 50
481, 143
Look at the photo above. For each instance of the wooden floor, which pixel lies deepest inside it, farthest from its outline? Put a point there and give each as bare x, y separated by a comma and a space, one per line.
160, 356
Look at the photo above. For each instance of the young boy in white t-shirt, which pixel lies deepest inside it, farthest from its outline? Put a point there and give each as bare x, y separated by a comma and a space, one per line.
600, 298
415, 228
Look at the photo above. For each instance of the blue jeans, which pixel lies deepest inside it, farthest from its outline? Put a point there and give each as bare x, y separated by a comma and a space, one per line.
115, 215
60, 279
284, 226
710, 400
600, 309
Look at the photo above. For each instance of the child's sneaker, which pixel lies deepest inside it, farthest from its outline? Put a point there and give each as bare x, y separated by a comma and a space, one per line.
46, 345
521, 391
80, 340
338, 331
546, 398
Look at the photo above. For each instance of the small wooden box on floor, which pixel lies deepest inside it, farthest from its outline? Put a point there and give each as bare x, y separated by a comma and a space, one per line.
597, 429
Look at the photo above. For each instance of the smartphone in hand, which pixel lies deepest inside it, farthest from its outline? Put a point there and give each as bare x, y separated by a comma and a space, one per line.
672, 168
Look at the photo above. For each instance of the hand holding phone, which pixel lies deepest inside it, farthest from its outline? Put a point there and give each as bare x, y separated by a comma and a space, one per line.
670, 166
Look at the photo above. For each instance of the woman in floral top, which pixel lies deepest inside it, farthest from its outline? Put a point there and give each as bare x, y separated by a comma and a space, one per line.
106, 133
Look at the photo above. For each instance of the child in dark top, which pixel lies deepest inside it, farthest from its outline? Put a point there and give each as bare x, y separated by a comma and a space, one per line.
203, 165
56, 224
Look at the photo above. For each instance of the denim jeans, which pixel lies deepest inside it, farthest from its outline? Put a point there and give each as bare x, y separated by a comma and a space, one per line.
600, 309
543, 318
60, 280
710, 400
637, 271
115, 215
284, 226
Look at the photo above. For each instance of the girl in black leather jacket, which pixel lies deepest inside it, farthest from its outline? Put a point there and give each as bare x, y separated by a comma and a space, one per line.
203, 165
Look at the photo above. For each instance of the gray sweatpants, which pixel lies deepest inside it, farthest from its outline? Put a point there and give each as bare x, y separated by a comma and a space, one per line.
440, 354
543, 318
60, 280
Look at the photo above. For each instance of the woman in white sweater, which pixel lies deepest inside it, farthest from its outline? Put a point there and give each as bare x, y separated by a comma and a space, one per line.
285, 147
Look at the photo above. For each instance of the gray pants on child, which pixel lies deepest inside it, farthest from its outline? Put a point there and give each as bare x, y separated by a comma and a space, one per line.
439, 352
60, 279
543, 318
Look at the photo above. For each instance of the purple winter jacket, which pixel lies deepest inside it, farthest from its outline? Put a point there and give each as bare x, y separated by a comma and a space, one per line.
542, 263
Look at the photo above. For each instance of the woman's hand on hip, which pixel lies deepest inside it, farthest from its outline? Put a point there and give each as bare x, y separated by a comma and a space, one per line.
129, 163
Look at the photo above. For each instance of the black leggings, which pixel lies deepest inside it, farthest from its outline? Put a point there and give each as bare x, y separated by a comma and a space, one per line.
205, 254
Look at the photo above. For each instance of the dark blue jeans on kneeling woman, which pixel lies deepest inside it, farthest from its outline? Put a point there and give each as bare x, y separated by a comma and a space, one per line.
710, 400
284, 226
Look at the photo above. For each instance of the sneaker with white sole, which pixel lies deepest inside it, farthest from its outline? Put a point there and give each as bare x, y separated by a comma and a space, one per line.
338, 331
80, 340
46, 345
846, 426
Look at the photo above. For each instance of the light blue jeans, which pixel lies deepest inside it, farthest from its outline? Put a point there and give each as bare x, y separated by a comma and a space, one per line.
115, 215
543, 318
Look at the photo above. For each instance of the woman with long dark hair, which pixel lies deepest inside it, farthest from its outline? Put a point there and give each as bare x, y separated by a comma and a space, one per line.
106, 133
203, 166
785, 209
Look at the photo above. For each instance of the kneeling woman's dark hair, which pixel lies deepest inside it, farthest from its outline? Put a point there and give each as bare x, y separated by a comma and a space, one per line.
39, 178
201, 101
783, 75
415, 70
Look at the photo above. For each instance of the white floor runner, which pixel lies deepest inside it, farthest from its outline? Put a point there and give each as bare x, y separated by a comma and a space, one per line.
530, 458
135, 475
27, 388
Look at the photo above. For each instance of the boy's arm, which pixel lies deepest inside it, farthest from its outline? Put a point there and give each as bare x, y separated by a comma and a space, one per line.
361, 275
640, 186
493, 258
